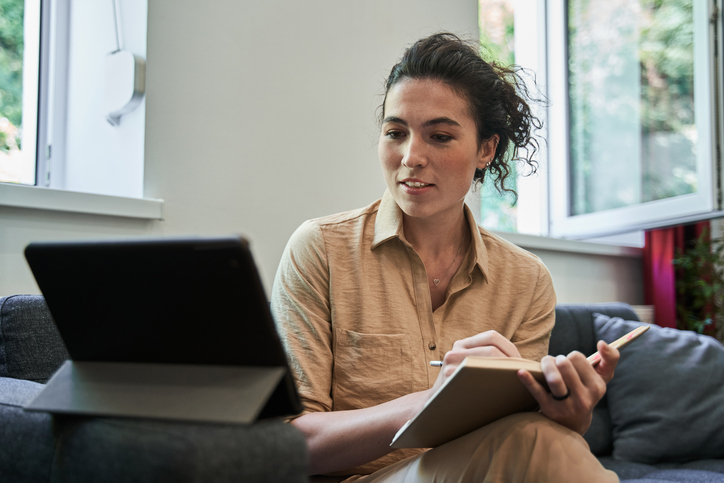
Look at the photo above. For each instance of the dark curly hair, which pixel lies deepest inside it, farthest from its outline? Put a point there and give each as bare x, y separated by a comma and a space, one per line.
497, 96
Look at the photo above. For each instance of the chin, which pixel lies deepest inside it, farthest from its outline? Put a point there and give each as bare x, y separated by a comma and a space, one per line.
414, 210
421, 211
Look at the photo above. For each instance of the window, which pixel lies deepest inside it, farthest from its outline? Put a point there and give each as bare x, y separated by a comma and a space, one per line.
630, 79
631, 139
19, 55
498, 211
639, 85
499, 20
65, 82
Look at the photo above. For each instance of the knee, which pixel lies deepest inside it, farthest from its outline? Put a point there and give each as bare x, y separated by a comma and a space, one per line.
535, 431
538, 427
553, 452
522, 447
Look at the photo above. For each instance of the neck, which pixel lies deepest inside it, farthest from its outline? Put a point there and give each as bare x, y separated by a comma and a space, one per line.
436, 237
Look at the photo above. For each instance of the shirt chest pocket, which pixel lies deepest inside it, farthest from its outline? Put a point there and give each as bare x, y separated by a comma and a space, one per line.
370, 369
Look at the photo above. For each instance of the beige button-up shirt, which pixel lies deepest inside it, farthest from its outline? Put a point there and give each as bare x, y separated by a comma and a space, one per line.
353, 308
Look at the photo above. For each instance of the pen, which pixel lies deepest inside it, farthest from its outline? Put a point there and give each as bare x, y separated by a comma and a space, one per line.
619, 343
596, 358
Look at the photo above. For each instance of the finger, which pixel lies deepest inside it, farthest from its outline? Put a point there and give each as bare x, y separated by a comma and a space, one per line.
588, 376
570, 375
457, 355
609, 359
487, 351
489, 338
450, 363
536, 389
554, 379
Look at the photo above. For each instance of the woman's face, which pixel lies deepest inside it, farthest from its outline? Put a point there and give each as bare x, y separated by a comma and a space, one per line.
429, 149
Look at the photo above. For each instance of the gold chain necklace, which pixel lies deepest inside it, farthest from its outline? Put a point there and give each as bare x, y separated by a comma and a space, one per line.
436, 281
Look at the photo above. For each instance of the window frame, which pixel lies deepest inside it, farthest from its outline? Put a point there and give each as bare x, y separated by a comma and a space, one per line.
52, 104
32, 30
49, 192
706, 203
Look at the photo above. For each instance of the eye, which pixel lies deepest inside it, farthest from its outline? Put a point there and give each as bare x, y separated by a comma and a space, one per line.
441, 138
393, 134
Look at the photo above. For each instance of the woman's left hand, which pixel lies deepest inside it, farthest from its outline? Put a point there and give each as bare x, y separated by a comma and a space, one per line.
575, 386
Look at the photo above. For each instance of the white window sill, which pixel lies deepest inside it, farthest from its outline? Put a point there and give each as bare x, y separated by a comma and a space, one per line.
71, 201
152, 209
532, 242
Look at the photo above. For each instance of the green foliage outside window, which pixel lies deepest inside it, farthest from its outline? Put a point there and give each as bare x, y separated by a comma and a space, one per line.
497, 35
631, 80
11, 71
667, 81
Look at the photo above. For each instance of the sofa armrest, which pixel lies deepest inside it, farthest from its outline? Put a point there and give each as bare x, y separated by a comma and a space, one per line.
42, 447
138, 451
26, 451
30, 346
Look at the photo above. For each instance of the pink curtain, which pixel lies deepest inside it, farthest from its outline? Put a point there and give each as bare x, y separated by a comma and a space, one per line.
659, 273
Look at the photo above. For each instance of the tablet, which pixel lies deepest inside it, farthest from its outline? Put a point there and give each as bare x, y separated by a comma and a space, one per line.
171, 328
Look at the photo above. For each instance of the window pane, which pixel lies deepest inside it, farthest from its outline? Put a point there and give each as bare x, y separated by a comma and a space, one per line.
497, 37
631, 92
18, 91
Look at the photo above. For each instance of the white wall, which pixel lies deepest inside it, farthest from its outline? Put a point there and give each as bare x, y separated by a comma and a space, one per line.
586, 278
260, 115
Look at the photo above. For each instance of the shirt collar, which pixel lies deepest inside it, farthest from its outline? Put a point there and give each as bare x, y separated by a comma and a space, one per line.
480, 253
388, 225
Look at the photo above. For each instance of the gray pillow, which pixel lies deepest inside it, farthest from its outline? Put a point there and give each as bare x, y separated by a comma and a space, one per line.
666, 399
599, 436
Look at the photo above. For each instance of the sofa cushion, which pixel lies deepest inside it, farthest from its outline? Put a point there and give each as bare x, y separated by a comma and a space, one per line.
715, 466
598, 436
666, 399
699, 471
30, 345
166, 451
574, 331
26, 438
78, 449
678, 476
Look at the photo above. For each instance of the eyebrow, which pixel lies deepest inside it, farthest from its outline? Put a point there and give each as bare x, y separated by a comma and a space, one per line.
431, 122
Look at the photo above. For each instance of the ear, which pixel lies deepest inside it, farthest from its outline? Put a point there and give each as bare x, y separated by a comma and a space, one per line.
486, 153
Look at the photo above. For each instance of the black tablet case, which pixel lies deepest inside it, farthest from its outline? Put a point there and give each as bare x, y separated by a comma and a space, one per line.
162, 328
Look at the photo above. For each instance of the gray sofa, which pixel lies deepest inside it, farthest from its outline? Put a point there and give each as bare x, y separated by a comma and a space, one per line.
36, 447
661, 420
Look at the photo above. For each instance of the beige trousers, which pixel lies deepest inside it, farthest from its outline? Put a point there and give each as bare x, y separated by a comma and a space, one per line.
525, 447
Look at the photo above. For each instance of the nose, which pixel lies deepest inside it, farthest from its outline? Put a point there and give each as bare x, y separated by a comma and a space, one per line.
414, 155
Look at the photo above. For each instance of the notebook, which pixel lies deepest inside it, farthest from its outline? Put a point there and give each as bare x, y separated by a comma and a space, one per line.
169, 328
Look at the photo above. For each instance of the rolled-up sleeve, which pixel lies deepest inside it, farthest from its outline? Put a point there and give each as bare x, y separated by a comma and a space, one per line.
301, 308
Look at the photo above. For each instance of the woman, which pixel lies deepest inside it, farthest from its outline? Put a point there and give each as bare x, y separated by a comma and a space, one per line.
365, 299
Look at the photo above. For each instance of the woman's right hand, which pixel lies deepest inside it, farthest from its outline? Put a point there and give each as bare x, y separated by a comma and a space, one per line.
485, 344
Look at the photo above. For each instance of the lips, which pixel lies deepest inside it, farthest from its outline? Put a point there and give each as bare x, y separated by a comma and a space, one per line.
415, 186
415, 183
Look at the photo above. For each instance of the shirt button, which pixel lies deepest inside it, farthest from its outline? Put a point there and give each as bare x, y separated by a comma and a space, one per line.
432, 346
